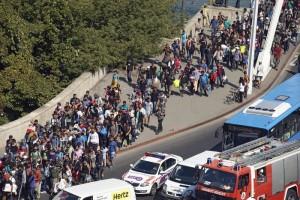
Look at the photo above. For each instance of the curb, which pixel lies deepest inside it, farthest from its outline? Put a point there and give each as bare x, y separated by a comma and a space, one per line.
177, 132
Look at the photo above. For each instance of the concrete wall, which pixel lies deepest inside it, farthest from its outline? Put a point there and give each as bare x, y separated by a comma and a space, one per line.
79, 86
211, 11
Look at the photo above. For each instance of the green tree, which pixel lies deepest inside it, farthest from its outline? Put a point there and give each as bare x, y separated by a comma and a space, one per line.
45, 44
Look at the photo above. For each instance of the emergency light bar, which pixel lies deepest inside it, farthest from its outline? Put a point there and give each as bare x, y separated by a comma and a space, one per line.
155, 155
208, 161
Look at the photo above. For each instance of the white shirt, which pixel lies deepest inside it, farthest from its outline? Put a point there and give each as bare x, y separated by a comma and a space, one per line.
241, 88
143, 111
93, 138
107, 113
148, 107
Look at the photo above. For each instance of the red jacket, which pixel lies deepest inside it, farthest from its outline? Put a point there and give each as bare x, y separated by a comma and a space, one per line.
277, 52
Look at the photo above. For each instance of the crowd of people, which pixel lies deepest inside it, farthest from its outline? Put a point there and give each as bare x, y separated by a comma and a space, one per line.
79, 142
83, 136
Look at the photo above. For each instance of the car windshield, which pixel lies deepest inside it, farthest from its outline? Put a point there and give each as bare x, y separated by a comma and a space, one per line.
63, 195
185, 175
146, 167
217, 179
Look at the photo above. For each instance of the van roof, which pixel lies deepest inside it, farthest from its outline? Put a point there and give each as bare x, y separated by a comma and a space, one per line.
198, 159
96, 187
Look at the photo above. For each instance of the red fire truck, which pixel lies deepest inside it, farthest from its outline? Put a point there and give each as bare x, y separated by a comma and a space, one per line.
263, 169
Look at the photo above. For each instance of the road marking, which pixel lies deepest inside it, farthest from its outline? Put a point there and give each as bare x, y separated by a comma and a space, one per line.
293, 62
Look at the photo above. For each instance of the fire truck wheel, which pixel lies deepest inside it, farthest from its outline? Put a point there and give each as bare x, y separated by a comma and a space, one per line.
153, 190
291, 195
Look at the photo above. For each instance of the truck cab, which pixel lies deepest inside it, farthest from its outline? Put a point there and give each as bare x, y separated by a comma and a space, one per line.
223, 180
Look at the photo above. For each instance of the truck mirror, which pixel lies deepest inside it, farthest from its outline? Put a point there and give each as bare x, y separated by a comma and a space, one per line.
131, 165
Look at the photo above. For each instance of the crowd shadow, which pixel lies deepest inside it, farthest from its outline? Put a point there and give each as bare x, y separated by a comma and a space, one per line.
234, 86
291, 72
152, 127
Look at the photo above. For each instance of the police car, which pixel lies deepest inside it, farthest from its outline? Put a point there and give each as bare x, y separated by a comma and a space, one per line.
151, 171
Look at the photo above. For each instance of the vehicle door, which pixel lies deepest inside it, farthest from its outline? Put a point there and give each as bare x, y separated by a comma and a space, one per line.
165, 169
263, 182
244, 186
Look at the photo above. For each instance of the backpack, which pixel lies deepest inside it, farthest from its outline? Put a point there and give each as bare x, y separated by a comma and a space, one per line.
213, 77
54, 172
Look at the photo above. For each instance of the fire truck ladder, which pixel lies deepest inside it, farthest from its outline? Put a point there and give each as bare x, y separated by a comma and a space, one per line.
244, 148
269, 154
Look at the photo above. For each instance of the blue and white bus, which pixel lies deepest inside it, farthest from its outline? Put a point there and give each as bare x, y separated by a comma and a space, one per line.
276, 114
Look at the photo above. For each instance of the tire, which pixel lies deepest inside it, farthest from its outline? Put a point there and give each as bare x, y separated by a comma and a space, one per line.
291, 195
153, 190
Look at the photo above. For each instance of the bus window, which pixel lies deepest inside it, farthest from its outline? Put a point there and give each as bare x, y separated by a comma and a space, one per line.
286, 131
290, 126
298, 121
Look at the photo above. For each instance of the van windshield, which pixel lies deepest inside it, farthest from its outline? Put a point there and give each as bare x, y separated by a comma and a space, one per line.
185, 175
217, 179
63, 195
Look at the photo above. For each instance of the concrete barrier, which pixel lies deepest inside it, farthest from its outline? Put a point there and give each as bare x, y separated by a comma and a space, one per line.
79, 86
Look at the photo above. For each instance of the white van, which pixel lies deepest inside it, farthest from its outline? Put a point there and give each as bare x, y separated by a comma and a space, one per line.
109, 189
185, 175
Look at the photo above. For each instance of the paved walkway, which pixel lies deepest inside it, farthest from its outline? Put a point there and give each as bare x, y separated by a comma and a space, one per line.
186, 111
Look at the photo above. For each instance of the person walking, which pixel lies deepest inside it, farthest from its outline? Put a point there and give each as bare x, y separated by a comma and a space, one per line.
277, 51
205, 17
183, 41
160, 117
99, 165
241, 89
149, 109
129, 69
203, 81
126, 130
30, 186
246, 82
38, 181
112, 150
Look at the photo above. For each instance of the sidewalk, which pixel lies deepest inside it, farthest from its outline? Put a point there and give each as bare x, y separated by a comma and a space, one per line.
190, 111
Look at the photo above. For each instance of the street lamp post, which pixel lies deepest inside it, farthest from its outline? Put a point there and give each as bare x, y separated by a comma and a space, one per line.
255, 4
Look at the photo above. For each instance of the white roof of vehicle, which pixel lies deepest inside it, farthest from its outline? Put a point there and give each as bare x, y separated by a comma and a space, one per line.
96, 187
157, 157
198, 159
152, 159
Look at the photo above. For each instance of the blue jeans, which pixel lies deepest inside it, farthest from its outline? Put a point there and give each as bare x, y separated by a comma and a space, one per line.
31, 194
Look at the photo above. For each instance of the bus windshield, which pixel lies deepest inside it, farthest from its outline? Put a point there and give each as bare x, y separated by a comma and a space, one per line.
217, 179
185, 175
240, 134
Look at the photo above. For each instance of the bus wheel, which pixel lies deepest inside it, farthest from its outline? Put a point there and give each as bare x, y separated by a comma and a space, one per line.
291, 195
153, 190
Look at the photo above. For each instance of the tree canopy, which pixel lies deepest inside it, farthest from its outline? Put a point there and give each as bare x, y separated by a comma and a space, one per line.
45, 44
